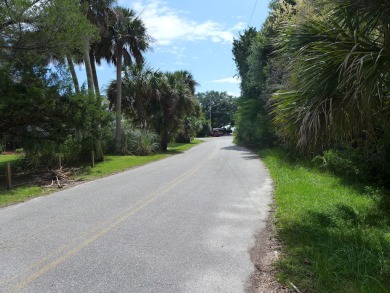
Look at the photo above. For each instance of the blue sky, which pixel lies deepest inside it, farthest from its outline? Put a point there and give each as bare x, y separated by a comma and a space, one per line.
194, 35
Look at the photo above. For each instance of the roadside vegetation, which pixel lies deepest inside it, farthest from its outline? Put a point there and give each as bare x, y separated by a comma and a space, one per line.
53, 120
335, 232
46, 112
315, 82
111, 165
14, 160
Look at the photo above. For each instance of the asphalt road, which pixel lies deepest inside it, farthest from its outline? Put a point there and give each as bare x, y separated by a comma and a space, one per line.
183, 224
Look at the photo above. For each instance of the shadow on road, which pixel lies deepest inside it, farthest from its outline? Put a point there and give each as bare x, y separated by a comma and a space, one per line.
246, 154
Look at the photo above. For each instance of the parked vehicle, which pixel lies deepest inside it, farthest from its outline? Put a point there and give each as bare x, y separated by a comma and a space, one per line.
221, 131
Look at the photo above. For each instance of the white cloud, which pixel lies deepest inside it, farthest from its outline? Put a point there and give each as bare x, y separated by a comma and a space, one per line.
239, 26
234, 94
228, 80
166, 25
175, 50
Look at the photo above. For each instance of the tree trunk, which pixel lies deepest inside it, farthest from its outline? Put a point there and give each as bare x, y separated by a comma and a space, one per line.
118, 108
141, 111
88, 68
164, 136
73, 73
164, 141
94, 74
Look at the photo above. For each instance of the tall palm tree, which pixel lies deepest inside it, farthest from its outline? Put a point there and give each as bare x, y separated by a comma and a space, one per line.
129, 41
101, 50
98, 12
73, 74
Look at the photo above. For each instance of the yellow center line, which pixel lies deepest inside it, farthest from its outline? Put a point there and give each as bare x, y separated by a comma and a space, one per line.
106, 227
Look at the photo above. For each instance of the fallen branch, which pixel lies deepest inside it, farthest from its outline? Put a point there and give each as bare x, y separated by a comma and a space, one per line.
295, 287
60, 176
58, 183
47, 186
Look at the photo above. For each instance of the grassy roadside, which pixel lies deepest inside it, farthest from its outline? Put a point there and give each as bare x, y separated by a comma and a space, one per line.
15, 160
111, 165
336, 235
7, 158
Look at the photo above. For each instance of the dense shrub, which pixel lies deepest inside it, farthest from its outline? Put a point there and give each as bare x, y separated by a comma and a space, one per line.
205, 128
358, 164
253, 126
40, 155
139, 142
189, 128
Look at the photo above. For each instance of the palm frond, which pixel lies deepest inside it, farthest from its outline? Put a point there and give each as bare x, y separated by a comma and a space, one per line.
340, 77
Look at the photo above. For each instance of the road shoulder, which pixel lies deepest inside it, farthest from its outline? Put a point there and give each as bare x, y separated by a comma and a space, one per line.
264, 255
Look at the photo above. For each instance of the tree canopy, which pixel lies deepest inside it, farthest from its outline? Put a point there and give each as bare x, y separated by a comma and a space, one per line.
155, 100
219, 107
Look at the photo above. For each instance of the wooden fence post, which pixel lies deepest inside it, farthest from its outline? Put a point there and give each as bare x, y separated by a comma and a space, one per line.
59, 161
93, 159
8, 175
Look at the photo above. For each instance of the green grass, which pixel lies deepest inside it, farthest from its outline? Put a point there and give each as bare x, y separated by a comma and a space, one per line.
8, 158
111, 165
336, 235
21, 194
181, 147
116, 164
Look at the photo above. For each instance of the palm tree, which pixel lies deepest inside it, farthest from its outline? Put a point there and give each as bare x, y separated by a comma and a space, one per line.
101, 50
98, 12
139, 89
154, 99
129, 41
176, 100
340, 77
73, 74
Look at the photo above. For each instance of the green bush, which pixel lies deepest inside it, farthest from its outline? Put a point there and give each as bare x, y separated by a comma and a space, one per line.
253, 126
189, 128
339, 162
19, 151
358, 164
43, 154
40, 155
139, 142
2, 148
204, 129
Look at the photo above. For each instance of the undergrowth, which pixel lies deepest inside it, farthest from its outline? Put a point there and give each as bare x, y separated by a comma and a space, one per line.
335, 234
111, 165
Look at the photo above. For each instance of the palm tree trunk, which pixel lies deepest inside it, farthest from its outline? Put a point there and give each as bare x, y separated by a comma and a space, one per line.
165, 140
118, 108
88, 68
94, 74
165, 132
141, 111
74, 76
